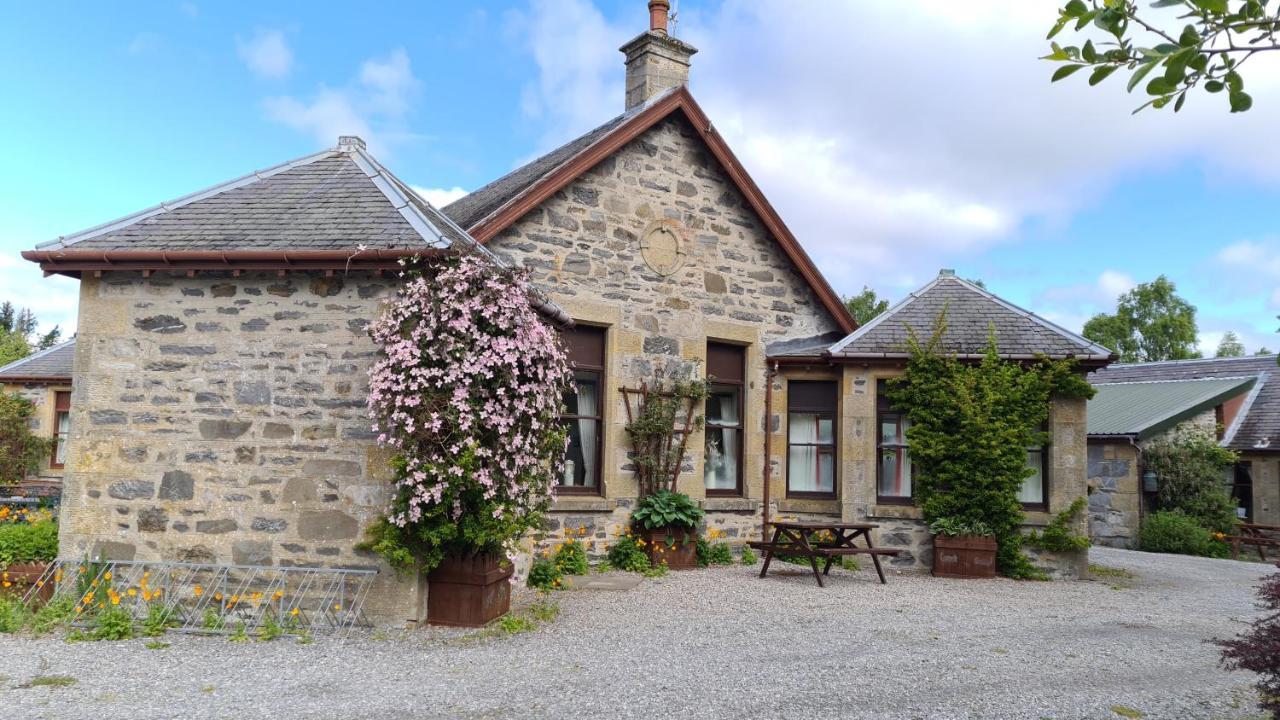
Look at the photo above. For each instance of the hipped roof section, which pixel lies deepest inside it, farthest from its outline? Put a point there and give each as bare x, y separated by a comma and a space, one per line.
335, 210
496, 206
51, 365
972, 315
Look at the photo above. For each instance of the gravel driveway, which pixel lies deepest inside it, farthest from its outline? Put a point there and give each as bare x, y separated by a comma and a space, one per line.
718, 643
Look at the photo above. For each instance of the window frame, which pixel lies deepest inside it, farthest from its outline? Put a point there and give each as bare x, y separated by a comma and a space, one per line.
741, 386
1043, 505
58, 440
903, 450
597, 489
1247, 467
831, 412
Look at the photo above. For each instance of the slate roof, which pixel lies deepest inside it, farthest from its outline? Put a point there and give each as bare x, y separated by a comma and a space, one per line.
331, 200
481, 203
50, 364
1257, 425
971, 314
1144, 409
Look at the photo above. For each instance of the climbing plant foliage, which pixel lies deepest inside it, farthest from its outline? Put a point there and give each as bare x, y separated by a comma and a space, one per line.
971, 425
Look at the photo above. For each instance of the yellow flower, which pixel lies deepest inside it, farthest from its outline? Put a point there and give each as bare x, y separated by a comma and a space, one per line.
279, 594
155, 593
294, 612
146, 596
197, 590
107, 576
115, 600
337, 606
6, 583
217, 596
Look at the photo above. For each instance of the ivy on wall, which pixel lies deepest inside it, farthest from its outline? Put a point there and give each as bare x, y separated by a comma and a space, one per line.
971, 425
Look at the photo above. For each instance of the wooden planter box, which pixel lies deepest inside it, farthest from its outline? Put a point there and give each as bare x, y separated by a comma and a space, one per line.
677, 547
965, 556
19, 577
469, 591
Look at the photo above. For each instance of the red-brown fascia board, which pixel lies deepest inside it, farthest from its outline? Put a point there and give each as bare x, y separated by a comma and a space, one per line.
75, 261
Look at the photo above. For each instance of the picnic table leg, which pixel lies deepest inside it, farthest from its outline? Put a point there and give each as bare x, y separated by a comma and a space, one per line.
1261, 555
874, 557
768, 552
842, 540
813, 560
1235, 549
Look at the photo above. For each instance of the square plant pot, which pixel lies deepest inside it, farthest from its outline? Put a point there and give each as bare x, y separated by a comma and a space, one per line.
964, 556
677, 547
19, 578
469, 590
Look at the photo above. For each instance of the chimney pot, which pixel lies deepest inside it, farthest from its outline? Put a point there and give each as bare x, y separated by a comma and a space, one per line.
350, 143
659, 15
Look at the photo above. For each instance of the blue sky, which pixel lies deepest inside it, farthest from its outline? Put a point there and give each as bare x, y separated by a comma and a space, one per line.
887, 163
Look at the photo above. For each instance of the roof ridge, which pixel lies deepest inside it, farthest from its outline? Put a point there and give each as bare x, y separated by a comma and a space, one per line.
33, 356
1181, 380
1242, 414
1149, 363
877, 320
64, 241
1048, 324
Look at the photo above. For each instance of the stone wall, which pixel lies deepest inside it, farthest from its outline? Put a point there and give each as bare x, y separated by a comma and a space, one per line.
1266, 487
656, 244
1114, 483
222, 419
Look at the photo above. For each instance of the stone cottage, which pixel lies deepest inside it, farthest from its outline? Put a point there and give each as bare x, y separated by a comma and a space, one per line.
219, 407
44, 378
1237, 399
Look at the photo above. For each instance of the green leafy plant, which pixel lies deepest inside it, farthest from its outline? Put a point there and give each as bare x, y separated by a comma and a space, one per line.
662, 419
544, 574
158, 620
269, 629
1171, 531
749, 556
23, 542
513, 624
666, 509
13, 614
571, 558
710, 553
1058, 535
21, 452
239, 634
1215, 39
970, 427
112, 622
628, 556
53, 614
1190, 466
212, 620
656, 571
156, 645
959, 527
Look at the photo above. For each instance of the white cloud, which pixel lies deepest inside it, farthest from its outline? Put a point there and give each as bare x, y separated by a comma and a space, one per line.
1072, 305
267, 54
892, 157
55, 299
439, 197
374, 106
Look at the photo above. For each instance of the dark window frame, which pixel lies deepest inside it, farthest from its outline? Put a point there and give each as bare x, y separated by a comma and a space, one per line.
832, 448
741, 386
1043, 505
1247, 467
597, 369
59, 409
902, 450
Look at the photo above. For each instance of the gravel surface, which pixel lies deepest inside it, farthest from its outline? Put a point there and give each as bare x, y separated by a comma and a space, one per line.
717, 643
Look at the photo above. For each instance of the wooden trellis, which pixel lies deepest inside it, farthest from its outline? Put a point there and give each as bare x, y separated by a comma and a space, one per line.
659, 456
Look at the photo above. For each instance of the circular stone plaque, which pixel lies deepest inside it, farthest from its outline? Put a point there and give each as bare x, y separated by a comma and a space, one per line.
662, 247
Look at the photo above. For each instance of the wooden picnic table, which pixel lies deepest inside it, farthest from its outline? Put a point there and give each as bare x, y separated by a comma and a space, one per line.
1259, 536
793, 538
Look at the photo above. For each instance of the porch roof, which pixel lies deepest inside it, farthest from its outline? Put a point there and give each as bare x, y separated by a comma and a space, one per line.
1146, 408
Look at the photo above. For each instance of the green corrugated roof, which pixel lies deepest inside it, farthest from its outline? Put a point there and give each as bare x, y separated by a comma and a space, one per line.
1143, 409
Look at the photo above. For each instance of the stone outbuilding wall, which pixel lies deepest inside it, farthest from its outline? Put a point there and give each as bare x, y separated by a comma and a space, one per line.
1114, 499
221, 419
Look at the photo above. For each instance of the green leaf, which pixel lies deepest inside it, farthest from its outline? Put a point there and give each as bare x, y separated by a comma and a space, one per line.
1165, 3
1199, 63
1214, 86
1057, 28
1139, 74
1240, 101
1064, 71
1160, 86
1101, 73
1213, 6
1189, 37
1088, 52
1167, 48
1075, 8
1181, 99
1234, 81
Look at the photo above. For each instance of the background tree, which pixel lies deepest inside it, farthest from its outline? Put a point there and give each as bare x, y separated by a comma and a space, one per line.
18, 337
1263, 351
20, 451
1230, 346
1150, 323
865, 305
1192, 43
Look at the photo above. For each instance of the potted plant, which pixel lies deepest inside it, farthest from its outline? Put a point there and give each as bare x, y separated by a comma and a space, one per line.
467, 391
668, 522
963, 548
28, 543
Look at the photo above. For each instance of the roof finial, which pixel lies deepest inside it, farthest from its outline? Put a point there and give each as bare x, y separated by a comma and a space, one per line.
350, 143
946, 272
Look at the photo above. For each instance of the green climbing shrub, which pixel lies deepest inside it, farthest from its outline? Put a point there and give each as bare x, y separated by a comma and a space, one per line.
1058, 535
1192, 468
971, 425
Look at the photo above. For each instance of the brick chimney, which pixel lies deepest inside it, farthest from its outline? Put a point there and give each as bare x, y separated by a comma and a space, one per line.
655, 60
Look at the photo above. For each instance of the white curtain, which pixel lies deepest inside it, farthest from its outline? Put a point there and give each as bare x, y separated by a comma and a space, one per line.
803, 473
64, 432
1032, 491
720, 471
587, 431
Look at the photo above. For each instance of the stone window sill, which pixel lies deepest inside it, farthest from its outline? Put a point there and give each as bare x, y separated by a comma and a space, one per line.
900, 512
727, 504
583, 504
829, 507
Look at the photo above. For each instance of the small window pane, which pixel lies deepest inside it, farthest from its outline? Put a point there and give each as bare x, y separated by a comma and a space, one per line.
825, 434
895, 473
803, 468
826, 472
721, 462
580, 462
1032, 492
722, 406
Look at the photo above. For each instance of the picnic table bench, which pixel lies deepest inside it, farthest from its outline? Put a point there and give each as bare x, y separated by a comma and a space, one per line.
793, 538
1259, 536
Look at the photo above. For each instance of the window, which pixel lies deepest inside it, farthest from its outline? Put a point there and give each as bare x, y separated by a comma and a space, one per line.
722, 464
583, 415
1034, 494
62, 428
1242, 490
894, 471
811, 445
